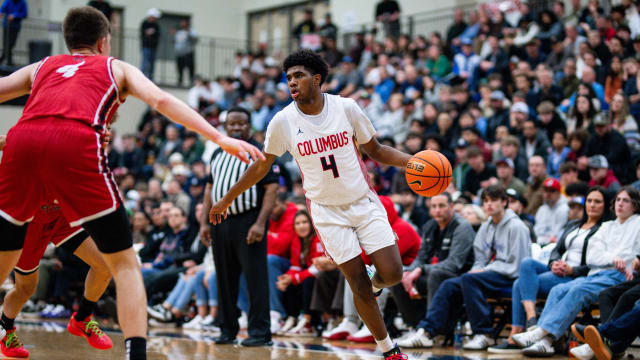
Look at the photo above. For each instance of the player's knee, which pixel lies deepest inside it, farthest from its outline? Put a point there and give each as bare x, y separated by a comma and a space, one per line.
391, 275
26, 288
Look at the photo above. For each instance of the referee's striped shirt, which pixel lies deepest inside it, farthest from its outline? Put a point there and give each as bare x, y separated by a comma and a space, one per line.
226, 170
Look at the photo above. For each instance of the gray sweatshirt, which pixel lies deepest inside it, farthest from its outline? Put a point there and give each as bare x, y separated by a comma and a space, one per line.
509, 241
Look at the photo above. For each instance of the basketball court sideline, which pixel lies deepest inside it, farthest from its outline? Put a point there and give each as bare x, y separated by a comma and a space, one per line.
49, 340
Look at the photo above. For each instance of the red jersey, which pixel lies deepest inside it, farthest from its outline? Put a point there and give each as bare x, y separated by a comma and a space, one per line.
75, 87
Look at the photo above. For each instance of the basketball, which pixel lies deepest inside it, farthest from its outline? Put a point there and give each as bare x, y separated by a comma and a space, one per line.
428, 173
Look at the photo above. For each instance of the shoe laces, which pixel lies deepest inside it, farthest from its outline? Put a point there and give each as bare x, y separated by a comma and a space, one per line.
92, 327
12, 341
399, 356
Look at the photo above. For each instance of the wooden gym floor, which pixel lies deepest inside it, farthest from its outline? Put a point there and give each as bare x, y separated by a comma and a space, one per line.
49, 340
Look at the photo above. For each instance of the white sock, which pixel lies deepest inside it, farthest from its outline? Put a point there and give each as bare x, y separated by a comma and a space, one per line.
385, 345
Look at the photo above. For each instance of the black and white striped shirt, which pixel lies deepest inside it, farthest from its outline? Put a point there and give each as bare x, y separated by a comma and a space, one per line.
226, 170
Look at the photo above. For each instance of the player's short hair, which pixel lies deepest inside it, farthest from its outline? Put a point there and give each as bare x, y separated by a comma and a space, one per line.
311, 61
83, 27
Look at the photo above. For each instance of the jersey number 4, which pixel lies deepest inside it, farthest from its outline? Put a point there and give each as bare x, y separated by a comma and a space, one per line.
330, 166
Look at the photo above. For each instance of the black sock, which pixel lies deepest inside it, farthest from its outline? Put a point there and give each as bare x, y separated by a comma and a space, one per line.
6, 323
85, 309
136, 348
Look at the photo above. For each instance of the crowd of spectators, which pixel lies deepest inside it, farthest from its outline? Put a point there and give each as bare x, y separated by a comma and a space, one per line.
538, 113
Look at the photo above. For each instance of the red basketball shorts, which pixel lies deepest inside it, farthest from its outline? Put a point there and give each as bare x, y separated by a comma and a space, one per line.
39, 234
55, 159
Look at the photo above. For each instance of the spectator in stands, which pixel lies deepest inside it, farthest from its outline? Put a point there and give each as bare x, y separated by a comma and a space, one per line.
328, 29
466, 61
611, 339
388, 13
461, 166
567, 262
534, 142
510, 148
568, 175
307, 26
150, 35
185, 39
480, 174
534, 190
601, 174
179, 251
576, 208
615, 304
103, 6
499, 247
505, 170
437, 64
636, 184
622, 121
12, 12
548, 119
612, 145
299, 283
447, 240
517, 204
558, 154
283, 253
457, 27
552, 215
500, 114
613, 245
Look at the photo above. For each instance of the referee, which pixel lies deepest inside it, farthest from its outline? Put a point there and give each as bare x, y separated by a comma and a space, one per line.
240, 243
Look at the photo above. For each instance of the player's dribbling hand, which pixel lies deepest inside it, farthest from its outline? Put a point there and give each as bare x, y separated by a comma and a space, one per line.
3, 141
218, 212
239, 149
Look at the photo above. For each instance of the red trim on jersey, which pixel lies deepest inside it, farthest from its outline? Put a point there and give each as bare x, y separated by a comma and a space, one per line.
363, 167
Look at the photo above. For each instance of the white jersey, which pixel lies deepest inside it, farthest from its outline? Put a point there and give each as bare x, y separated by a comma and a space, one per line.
323, 145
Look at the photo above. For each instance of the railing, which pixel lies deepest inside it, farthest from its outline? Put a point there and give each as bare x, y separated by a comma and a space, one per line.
213, 56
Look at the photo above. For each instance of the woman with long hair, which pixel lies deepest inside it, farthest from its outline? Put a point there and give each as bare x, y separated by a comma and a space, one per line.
610, 249
619, 116
582, 114
567, 262
298, 284
613, 83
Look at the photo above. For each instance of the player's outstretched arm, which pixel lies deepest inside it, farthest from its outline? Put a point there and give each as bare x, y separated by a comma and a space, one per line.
254, 173
137, 85
385, 154
18, 83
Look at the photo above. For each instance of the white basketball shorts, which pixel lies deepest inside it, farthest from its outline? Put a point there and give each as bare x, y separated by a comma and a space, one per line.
345, 229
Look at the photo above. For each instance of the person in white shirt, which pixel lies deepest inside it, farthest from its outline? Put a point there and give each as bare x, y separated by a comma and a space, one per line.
552, 216
609, 256
322, 132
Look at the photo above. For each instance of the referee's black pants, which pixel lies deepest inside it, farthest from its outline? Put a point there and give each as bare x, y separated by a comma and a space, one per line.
233, 256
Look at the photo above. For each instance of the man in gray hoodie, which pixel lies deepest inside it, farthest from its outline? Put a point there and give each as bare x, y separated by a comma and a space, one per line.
499, 247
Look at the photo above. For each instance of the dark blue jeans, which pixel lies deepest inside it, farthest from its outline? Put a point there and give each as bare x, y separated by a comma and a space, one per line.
623, 330
470, 290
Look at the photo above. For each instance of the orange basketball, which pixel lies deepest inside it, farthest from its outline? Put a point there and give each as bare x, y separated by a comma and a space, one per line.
428, 173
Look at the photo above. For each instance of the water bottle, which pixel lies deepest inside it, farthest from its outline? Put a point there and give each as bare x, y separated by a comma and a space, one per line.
457, 336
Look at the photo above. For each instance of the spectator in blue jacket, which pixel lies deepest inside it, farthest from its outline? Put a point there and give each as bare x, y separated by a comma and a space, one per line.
12, 13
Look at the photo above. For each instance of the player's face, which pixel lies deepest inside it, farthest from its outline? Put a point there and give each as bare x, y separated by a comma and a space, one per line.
302, 226
301, 83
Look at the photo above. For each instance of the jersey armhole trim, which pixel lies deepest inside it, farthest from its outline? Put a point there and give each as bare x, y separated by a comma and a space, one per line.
35, 74
113, 79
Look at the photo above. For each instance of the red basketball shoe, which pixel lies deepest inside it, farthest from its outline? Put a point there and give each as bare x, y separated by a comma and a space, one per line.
90, 330
12, 346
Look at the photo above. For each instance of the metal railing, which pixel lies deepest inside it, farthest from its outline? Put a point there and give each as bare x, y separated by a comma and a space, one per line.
213, 56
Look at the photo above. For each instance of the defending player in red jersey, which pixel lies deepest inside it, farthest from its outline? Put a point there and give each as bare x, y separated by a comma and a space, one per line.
320, 131
49, 225
55, 152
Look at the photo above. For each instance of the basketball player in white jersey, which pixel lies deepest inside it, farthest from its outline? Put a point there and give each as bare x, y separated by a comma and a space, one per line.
322, 132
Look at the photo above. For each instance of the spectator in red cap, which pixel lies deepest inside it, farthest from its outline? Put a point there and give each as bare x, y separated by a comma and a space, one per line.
602, 175
552, 216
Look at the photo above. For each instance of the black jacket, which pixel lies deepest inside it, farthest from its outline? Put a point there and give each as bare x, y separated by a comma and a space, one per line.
614, 147
561, 248
453, 250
